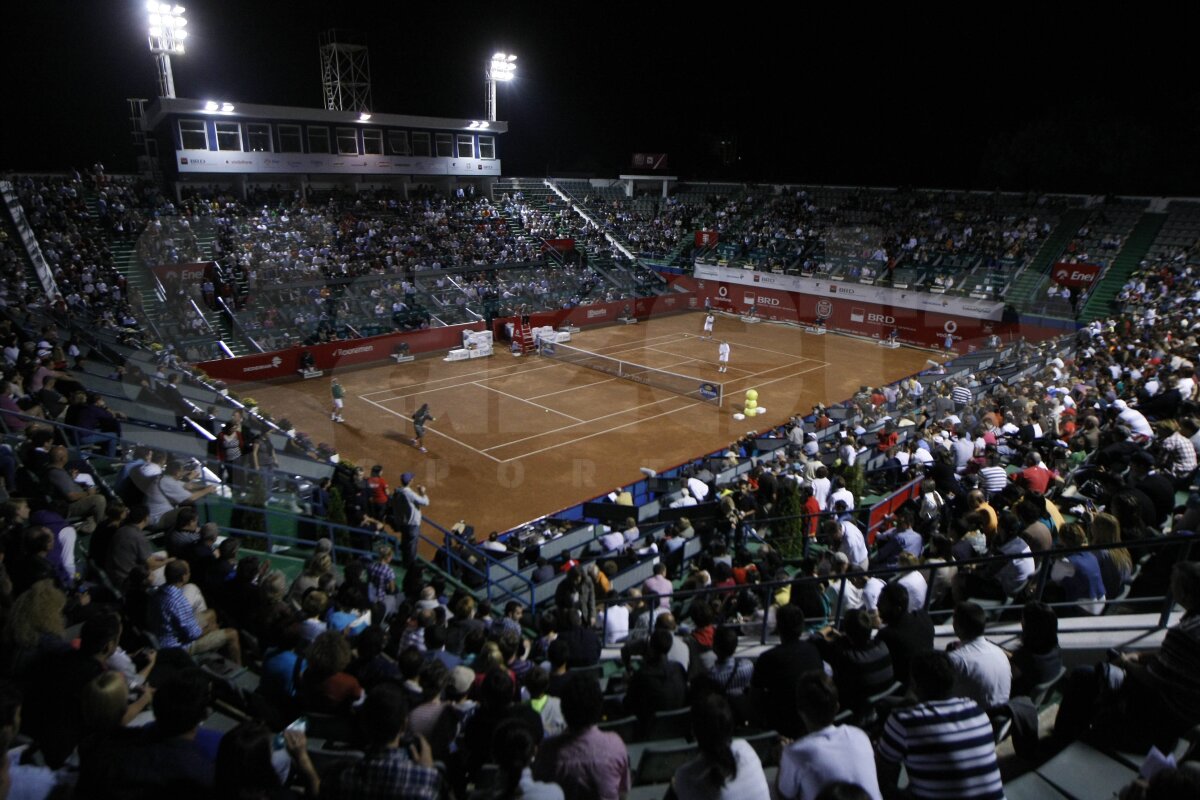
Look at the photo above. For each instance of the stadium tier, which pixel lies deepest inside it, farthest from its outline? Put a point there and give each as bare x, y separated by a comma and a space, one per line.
1001, 535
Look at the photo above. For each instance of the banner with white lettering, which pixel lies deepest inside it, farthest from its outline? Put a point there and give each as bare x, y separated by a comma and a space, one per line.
855, 292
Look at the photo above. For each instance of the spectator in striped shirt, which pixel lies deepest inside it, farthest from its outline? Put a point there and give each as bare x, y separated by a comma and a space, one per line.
175, 622
993, 476
961, 395
729, 674
945, 743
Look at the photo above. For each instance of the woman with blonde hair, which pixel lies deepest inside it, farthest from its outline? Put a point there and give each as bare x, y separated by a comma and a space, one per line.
1077, 575
104, 703
34, 630
1116, 565
315, 568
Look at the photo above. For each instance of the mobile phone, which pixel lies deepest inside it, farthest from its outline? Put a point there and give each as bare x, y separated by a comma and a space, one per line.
299, 724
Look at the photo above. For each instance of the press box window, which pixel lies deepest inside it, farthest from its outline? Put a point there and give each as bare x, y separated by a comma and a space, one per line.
466, 146
258, 136
193, 134
347, 141
290, 140
318, 140
373, 142
229, 136
487, 147
420, 144
445, 145
398, 142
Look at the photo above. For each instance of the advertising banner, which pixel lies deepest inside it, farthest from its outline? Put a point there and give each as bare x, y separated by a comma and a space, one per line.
707, 238
1075, 275
216, 161
286, 363
649, 160
196, 272
855, 292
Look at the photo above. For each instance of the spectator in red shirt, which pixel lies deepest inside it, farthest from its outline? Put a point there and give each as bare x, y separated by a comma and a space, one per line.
377, 489
1035, 477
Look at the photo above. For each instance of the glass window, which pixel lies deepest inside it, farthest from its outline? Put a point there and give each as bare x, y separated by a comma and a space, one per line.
466, 145
229, 136
258, 136
289, 139
487, 146
347, 141
398, 142
420, 144
318, 139
445, 145
193, 134
373, 142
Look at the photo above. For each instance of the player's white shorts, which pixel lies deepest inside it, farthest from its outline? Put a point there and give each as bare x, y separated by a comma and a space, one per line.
708, 326
338, 402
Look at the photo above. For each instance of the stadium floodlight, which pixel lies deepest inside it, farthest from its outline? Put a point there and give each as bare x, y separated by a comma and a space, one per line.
167, 31
227, 107
502, 67
212, 105
364, 117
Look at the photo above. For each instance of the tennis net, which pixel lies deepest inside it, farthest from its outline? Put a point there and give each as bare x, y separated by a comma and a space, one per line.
686, 385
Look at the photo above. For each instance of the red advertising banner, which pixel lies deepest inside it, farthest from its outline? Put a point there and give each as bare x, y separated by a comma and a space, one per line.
561, 245
1074, 275
912, 326
196, 272
356, 352
649, 161
707, 238
286, 363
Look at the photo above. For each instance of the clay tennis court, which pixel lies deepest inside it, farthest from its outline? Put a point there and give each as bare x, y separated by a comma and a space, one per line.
517, 438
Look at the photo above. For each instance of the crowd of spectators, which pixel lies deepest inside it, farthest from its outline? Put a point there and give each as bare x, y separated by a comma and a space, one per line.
409, 670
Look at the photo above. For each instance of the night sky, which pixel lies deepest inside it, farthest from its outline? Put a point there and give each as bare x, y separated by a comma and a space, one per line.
1014, 98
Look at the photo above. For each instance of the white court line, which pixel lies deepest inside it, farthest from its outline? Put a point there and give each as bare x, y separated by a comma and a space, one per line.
703, 361
794, 356
601, 433
523, 400
573, 388
434, 432
606, 380
490, 372
784, 378
584, 422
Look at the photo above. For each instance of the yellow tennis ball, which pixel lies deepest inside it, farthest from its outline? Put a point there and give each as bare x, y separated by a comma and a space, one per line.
751, 405
752, 394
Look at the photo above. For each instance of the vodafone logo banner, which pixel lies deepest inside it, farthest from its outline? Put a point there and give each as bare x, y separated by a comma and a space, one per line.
858, 292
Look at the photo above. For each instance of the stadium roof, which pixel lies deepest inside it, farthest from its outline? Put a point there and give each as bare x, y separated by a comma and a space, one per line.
163, 106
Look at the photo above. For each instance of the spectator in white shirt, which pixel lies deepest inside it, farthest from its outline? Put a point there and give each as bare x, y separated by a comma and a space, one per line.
984, 673
845, 537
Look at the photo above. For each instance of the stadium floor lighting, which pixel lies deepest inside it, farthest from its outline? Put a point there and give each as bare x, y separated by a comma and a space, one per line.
502, 67
167, 31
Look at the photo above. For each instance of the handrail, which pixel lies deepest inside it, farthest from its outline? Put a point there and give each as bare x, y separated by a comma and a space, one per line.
237, 324
1047, 557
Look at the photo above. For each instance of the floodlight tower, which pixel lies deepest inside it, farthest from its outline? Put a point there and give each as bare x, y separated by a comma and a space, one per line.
345, 71
166, 39
502, 67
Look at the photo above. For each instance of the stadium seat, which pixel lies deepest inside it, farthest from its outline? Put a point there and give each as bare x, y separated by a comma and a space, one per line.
658, 763
1084, 773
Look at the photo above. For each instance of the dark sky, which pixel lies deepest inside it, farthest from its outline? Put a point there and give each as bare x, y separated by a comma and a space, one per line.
1013, 98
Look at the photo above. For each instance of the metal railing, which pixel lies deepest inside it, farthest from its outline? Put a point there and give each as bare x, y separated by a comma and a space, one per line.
1039, 582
